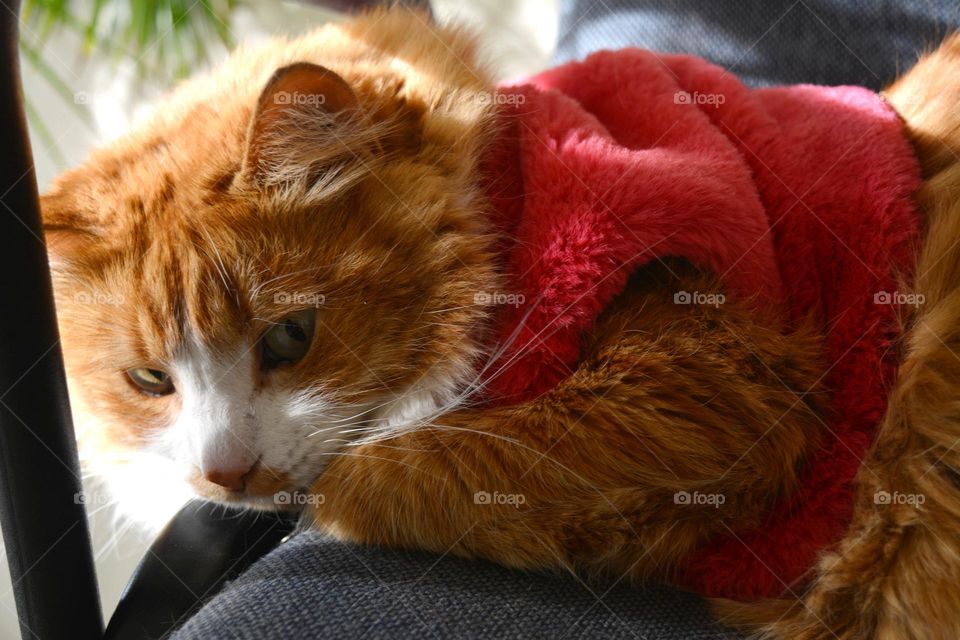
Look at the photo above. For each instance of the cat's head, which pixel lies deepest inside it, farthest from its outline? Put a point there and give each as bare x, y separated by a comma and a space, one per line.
280, 259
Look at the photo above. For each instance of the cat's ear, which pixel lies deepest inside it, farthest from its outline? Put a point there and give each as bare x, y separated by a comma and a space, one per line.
68, 235
305, 129
66, 245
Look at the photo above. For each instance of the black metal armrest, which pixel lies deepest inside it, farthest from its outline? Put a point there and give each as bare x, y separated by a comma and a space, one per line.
204, 546
44, 527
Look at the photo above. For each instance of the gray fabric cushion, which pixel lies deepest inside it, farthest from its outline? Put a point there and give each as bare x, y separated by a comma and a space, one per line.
832, 42
313, 587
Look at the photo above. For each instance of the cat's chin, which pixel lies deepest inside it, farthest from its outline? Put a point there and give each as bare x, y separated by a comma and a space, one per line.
146, 493
272, 502
282, 500
147, 490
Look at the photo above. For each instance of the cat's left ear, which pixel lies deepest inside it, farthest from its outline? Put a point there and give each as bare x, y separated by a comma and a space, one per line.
70, 234
304, 131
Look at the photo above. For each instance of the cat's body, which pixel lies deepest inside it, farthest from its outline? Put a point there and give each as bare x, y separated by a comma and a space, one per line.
180, 250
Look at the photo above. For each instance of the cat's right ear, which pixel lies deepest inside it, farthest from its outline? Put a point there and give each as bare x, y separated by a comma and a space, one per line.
305, 129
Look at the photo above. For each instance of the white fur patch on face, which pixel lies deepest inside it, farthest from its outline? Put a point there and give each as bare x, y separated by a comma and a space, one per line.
228, 420
148, 489
216, 429
289, 418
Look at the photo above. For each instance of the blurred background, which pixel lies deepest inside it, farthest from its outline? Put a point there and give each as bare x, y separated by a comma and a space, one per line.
91, 66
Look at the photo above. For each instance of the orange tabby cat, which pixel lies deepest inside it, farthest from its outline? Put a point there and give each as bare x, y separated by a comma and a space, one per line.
261, 295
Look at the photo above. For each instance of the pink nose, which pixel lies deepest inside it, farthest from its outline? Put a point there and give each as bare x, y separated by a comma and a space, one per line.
232, 479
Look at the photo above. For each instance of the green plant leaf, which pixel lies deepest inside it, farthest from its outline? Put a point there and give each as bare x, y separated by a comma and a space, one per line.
167, 40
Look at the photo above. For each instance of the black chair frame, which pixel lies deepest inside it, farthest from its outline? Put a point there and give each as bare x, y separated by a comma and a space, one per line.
44, 525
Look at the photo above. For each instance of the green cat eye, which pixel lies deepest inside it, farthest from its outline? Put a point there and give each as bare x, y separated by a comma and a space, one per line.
289, 339
151, 381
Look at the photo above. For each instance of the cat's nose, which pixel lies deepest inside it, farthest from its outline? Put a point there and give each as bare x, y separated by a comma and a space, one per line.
233, 478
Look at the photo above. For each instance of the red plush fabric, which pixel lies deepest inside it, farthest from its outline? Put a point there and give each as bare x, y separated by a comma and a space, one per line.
799, 197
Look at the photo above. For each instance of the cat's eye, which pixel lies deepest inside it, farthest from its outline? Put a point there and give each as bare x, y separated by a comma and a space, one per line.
289, 339
151, 381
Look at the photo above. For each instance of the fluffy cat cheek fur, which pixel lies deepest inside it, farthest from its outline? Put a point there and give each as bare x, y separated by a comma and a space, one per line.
224, 420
